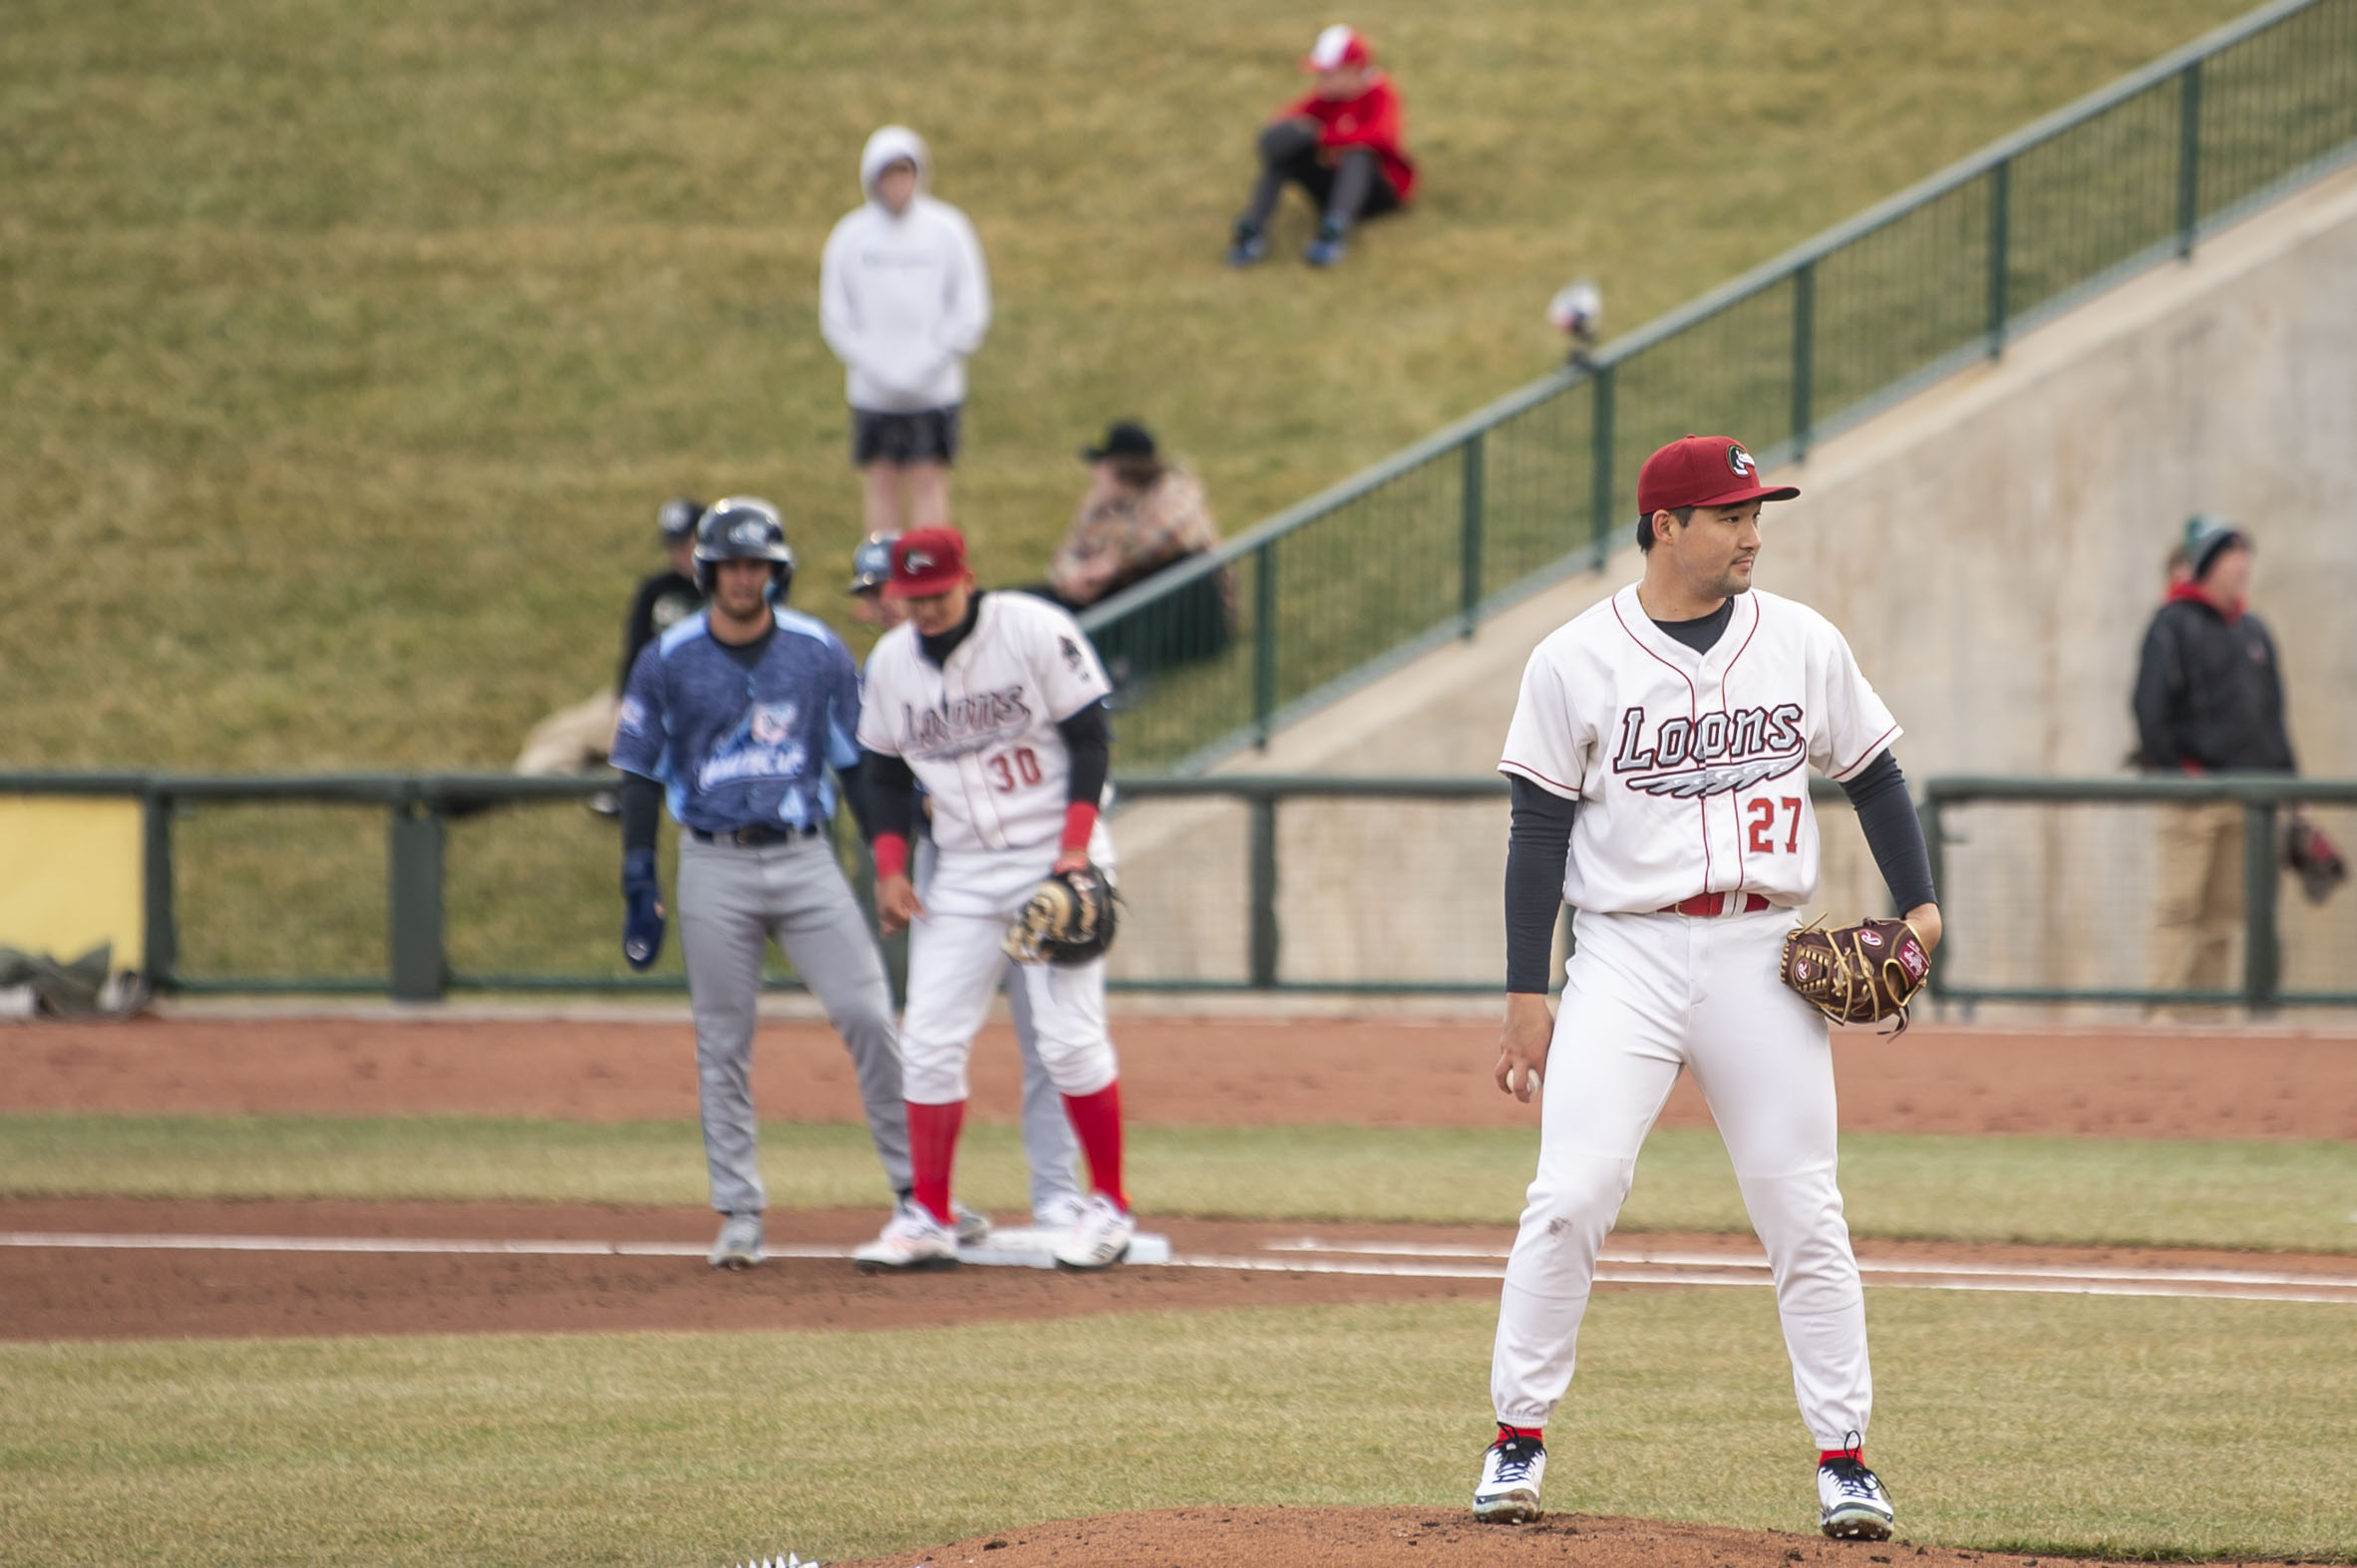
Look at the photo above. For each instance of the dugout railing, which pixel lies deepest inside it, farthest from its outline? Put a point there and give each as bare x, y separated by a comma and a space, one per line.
420, 887
1420, 548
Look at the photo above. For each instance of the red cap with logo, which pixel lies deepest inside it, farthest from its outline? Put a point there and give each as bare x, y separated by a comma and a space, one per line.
926, 561
1338, 48
1703, 470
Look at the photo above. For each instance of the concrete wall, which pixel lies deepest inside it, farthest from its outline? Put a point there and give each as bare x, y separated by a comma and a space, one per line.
1993, 550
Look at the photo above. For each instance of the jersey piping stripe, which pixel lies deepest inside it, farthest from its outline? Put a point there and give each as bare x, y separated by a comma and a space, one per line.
1742, 872
1535, 777
1693, 715
1868, 754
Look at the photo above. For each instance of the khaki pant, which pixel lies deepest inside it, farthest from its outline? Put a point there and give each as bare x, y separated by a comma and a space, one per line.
2198, 912
572, 739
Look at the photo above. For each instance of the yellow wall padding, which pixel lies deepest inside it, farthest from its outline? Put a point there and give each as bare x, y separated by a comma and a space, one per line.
70, 876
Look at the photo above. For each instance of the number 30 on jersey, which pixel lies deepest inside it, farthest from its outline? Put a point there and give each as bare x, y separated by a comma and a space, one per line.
1013, 769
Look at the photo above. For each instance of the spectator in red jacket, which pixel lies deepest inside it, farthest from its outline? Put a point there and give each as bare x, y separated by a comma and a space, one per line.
1340, 143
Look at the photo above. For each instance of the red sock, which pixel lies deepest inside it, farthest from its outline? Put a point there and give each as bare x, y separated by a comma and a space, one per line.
1534, 1433
932, 1146
1096, 1123
1855, 1455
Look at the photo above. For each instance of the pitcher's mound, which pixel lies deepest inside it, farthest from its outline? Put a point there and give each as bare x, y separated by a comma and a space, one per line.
1424, 1537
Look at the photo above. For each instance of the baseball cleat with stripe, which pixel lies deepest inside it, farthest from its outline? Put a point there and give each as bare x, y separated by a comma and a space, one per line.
1852, 1505
1511, 1470
1100, 1238
911, 1239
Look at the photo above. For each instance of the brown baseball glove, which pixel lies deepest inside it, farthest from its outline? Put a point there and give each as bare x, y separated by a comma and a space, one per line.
1861, 974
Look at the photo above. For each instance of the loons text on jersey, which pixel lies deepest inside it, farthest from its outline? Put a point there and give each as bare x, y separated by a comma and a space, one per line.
1710, 754
965, 723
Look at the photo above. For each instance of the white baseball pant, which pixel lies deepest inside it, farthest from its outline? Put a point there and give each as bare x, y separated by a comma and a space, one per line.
1643, 996
955, 962
1049, 1147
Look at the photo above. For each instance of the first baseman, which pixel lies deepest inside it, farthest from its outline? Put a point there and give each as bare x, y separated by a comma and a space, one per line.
737, 713
1658, 759
994, 703
1048, 1146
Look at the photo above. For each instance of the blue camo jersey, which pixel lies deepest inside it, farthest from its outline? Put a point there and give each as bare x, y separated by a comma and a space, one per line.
734, 747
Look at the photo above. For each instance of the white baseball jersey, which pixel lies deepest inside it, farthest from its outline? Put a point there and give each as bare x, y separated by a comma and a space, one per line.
1691, 770
981, 734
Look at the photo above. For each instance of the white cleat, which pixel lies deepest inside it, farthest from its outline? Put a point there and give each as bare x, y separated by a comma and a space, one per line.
1061, 1212
912, 1239
1507, 1492
1852, 1504
1099, 1239
738, 1246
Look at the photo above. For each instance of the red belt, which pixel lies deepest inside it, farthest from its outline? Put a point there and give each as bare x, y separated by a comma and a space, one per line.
1704, 905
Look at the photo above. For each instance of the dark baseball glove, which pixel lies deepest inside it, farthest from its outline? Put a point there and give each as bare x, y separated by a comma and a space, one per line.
1861, 974
1068, 920
2315, 858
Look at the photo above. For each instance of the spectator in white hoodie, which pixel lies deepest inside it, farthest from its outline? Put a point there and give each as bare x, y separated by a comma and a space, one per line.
903, 298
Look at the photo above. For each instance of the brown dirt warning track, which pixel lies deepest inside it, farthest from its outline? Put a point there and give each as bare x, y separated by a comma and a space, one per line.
2184, 1083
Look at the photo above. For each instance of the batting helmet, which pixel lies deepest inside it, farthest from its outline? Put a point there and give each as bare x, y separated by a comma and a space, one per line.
872, 562
744, 528
676, 518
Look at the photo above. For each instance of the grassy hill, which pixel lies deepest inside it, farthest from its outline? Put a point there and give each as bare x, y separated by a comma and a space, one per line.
349, 344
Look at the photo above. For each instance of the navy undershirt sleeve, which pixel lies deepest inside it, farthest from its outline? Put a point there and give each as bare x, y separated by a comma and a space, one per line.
891, 794
642, 805
1087, 736
1537, 847
1886, 815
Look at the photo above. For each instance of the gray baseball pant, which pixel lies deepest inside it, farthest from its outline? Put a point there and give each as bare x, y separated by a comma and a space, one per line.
732, 902
1049, 1147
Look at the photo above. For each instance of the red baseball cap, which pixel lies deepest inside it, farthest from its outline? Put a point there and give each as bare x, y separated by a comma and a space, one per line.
1703, 470
926, 561
1337, 48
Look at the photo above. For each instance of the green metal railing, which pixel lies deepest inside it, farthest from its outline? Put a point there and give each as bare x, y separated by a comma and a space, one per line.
422, 813
2036, 877
2074, 882
1423, 547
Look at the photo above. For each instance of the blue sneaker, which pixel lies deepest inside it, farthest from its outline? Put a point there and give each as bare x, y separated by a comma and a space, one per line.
1324, 251
1250, 245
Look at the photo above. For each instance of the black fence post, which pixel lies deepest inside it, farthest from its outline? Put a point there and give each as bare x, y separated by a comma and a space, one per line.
1600, 494
1263, 876
1470, 501
1264, 642
1804, 355
161, 936
2263, 956
1935, 845
2188, 158
2000, 249
420, 972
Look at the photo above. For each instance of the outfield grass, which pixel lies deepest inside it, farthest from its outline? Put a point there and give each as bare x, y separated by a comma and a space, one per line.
2282, 1197
2030, 1423
351, 346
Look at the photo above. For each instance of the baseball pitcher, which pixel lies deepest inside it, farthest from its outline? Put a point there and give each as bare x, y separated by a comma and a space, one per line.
1658, 759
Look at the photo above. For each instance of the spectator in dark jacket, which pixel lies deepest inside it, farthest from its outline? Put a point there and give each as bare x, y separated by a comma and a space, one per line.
1340, 143
576, 738
2208, 699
